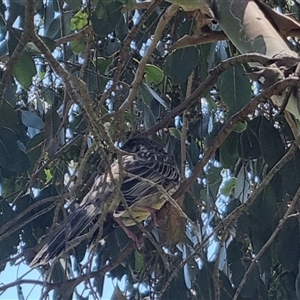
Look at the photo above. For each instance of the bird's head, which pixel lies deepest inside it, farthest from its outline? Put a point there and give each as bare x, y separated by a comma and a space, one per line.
145, 148
135, 145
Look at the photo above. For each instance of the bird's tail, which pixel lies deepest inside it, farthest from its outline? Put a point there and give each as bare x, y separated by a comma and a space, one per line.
57, 242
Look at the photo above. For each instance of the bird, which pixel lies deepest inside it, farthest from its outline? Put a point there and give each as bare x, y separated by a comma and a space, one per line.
146, 177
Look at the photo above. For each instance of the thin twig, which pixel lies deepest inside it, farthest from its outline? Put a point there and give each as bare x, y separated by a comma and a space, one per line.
234, 215
67, 284
74, 36
268, 242
185, 128
141, 67
207, 83
229, 126
10, 227
216, 272
126, 47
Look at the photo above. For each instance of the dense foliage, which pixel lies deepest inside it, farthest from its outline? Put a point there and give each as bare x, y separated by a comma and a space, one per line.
80, 77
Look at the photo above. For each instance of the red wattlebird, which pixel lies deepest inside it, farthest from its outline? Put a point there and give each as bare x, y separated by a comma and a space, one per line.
148, 174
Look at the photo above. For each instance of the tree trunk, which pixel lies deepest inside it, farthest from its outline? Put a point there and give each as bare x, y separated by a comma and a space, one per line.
250, 25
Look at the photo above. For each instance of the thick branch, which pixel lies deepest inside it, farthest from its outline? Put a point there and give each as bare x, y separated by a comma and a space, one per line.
229, 126
208, 82
234, 215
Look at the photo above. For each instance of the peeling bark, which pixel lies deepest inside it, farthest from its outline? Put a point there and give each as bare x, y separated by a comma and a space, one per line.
250, 30
253, 27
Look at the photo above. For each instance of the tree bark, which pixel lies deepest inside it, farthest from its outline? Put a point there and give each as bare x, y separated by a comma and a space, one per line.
250, 30
253, 27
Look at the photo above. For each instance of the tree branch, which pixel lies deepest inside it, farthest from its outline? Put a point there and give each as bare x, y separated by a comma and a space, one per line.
25, 38
290, 209
234, 215
204, 86
229, 126
126, 49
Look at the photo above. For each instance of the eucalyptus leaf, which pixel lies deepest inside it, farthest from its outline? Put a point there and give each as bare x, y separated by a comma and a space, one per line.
105, 22
235, 89
24, 69
30, 119
79, 20
9, 150
180, 64
153, 74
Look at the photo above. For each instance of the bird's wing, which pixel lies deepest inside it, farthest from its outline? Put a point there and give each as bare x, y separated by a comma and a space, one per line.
57, 241
148, 167
140, 187
76, 222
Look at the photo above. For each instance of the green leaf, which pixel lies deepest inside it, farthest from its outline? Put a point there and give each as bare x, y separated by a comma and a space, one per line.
8, 117
228, 186
32, 49
290, 175
288, 246
53, 30
149, 118
30, 119
271, 144
80, 251
58, 274
79, 21
13, 40
249, 147
153, 74
144, 88
102, 64
121, 29
261, 213
52, 123
2, 30
229, 150
49, 175
90, 78
23, 162
193, 152
34, 148
78, 46
104, 21
49, 95
139, 261
9, 150
214, 179
235, 89
175, 132
180, 64
240, 127
17, 10
24, 69
50, 43
74, 4
9, 244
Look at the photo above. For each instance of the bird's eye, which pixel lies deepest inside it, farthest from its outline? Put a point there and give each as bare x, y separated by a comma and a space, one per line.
142, 147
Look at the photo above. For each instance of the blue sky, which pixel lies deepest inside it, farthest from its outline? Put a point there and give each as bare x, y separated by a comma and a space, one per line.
30, 292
